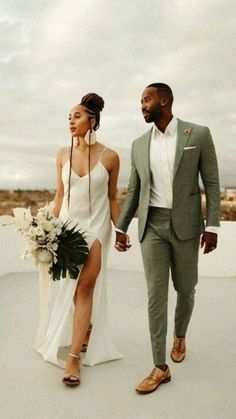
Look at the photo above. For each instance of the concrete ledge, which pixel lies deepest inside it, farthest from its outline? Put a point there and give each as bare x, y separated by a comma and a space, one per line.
220, 263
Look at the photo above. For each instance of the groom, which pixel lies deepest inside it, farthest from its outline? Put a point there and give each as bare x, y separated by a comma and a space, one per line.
164, 185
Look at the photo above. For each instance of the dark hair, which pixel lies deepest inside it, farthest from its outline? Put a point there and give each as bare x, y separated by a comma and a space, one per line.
165, 89
94, 104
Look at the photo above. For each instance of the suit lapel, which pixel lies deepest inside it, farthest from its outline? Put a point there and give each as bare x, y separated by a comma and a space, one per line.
145, 150
183, 133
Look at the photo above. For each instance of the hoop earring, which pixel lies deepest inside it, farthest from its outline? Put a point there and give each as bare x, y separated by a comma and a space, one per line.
90, 137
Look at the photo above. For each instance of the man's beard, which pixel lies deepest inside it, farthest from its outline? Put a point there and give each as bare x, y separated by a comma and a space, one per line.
154, 116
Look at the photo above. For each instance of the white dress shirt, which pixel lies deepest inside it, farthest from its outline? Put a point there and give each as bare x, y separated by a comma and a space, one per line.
162, 156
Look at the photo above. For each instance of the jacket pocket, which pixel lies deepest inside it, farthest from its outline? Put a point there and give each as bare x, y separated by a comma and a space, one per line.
194, 147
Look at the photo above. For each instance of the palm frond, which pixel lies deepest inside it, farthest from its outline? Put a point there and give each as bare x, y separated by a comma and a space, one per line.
72, 253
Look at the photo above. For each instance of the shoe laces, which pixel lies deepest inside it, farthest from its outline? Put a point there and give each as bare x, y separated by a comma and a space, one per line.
179, 345
154, 371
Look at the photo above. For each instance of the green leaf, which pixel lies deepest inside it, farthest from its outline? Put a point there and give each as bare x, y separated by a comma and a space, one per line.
72, 252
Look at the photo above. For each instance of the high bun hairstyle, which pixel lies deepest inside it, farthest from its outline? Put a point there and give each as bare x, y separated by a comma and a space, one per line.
94, 105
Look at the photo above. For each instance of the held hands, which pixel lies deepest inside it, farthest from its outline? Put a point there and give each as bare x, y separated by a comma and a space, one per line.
122, 242
209, 241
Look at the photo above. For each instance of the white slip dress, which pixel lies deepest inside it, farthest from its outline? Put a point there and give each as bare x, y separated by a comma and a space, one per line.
56, 340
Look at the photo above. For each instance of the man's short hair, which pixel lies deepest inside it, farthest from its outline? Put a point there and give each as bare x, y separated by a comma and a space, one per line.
165, 89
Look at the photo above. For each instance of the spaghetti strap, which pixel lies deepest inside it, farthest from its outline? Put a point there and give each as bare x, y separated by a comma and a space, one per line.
105, 148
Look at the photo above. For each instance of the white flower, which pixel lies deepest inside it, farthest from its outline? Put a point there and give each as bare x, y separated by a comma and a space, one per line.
38, 231
40, 218
55, 246
58, 231
52, 236
59, 223
23, 217
32, 232
47, 226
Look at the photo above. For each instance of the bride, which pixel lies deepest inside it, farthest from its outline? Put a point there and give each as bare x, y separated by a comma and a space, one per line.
86, 193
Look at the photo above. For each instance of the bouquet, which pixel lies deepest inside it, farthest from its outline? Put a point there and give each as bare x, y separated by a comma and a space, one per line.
49, 240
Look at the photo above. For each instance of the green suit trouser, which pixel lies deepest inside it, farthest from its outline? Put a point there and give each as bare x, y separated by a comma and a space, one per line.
163, 252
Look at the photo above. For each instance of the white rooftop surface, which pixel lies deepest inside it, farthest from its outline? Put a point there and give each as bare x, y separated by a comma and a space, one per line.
202, 387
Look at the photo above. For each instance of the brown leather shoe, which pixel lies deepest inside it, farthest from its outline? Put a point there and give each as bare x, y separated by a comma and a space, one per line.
178, 351
150, 383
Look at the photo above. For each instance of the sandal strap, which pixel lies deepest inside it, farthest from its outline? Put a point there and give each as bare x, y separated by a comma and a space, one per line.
73, 376
74, 356
71, 379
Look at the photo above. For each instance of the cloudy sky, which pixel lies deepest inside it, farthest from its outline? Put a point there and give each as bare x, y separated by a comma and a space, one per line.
53, 52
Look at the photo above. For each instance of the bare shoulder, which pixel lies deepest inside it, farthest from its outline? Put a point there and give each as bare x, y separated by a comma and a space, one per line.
112, 154
62, 155
111, 158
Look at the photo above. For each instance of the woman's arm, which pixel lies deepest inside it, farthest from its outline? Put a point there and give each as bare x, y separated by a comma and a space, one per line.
60, 187
112, 187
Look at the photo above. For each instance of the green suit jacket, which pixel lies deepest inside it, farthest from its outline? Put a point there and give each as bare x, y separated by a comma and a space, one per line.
189, 163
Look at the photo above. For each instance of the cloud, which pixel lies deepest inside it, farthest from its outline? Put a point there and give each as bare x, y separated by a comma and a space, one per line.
53, 54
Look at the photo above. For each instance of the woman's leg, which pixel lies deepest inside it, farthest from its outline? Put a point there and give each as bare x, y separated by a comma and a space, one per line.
83, 304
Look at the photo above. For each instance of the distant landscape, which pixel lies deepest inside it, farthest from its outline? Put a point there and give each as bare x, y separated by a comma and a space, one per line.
34, 199
37, 198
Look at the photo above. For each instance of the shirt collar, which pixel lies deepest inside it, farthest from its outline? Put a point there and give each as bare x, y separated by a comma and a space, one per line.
170, 129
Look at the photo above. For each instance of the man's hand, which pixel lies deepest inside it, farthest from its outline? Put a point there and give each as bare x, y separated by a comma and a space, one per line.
122, 242
209, 241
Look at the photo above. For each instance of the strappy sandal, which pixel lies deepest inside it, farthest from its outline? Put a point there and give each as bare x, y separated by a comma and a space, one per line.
85, 345
73, 379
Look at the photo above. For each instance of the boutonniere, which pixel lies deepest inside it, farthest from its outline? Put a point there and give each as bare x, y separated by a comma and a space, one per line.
187, 131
